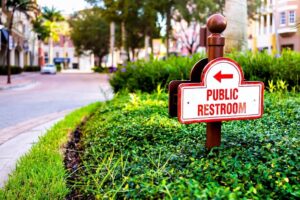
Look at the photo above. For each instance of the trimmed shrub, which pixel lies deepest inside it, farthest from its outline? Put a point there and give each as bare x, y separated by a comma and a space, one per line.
32, 68
14, 70
98, 69
58, 67
146, 76
265, 67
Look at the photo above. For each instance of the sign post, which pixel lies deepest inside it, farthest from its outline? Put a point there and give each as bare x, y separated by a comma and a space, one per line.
216, 24
220, 93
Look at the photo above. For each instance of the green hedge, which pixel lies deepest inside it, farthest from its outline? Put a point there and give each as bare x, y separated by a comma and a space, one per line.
265, 67
146, 76
32, 69
98, 69
14, 70
58, 67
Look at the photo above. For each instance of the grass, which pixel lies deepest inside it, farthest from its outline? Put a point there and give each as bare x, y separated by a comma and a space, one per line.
41, 174
132, 149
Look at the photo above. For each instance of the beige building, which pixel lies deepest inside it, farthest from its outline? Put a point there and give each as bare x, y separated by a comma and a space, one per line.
275, 28
24, 50
64, 52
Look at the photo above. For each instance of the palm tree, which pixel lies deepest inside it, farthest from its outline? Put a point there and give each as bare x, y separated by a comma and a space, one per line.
52, 17
43, 33
23, 6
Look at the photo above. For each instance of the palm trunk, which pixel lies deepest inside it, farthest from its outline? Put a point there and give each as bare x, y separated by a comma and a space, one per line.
50, 56
40, 54
236, 31
112, 42
8, 50
33, 52
8, 60
123, 51
168, 24
133, 56
147, 41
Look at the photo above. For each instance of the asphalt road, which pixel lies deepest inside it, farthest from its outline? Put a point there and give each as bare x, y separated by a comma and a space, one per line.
50, 94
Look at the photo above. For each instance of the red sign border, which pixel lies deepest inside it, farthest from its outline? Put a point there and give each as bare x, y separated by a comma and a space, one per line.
203, 84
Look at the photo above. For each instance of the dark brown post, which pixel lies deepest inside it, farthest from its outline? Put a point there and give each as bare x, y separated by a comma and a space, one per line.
216, 24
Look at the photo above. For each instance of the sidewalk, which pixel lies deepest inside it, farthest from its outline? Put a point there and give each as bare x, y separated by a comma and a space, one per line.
17, 81
17, 140
76, 71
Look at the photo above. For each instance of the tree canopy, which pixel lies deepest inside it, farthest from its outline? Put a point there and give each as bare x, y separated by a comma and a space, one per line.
89, 31
140, 18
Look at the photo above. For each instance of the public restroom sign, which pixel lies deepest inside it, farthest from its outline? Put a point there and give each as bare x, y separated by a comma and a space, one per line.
221, 95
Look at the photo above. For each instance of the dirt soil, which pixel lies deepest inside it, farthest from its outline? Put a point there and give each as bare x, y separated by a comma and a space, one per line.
72, 162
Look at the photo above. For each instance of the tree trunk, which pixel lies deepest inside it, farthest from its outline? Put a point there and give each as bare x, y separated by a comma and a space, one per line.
147, 41
8, 60
168, 24
123, 51
112, 42
33, 52
133, 53
100, 57
128, 54
236, 31
8, 50
50, 56
151, 45
40, 54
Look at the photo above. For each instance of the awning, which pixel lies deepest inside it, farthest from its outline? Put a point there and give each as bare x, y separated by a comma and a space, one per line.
4, 34
61, 60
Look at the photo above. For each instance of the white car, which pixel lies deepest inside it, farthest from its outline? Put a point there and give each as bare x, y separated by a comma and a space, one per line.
48, 69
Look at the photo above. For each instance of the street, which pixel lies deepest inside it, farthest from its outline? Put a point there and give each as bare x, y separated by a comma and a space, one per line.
50, 94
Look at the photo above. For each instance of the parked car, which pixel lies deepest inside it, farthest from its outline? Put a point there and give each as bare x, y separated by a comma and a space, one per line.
48, 69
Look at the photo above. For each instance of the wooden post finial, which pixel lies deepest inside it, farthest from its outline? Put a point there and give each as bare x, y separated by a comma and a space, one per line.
216, 23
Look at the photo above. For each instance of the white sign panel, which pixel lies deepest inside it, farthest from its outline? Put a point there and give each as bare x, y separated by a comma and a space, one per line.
222, 95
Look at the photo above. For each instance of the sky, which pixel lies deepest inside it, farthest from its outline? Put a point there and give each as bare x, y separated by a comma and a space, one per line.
65, 6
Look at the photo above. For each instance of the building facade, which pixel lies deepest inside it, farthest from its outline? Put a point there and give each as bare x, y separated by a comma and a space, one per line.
276, 27
64, 52
23, 42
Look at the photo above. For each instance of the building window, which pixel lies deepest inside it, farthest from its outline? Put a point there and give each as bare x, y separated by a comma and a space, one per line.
292, 17
282, 18
287, 47
271, 23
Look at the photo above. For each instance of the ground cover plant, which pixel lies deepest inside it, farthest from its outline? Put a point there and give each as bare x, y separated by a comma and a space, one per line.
41, 174
130, 149
146, 76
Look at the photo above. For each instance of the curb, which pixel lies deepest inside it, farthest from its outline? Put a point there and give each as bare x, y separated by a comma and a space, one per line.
77, 72
17, 140
9, 133
18, 86
12, 150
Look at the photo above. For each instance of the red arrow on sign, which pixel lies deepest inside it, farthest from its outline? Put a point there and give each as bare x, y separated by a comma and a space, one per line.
219, 76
